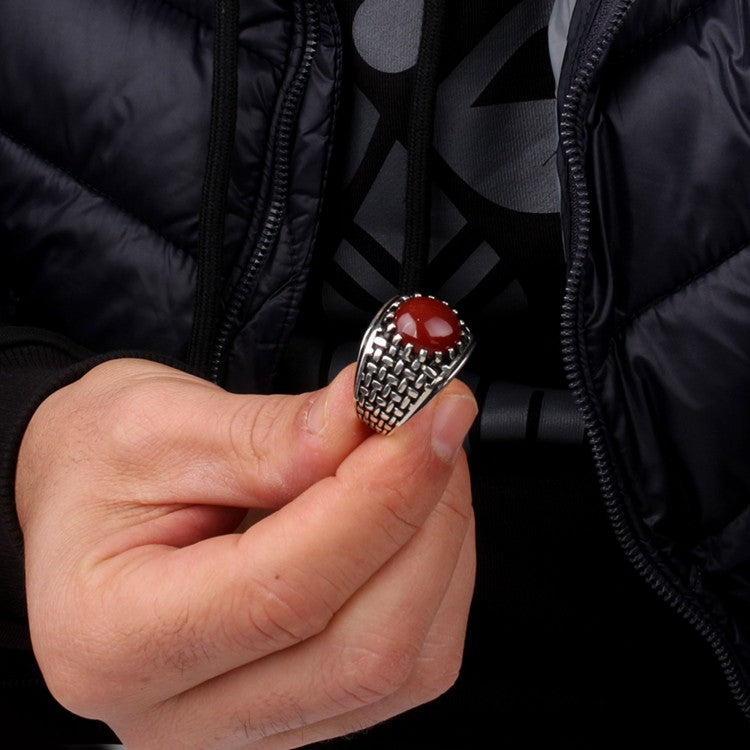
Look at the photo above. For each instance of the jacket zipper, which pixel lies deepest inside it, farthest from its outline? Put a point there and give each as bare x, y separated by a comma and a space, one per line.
211, 218
608, 21
275, 210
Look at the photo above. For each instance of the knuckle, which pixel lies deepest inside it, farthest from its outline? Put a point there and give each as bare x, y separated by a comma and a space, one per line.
127, 426
371, 673
404, 495
397, 525
248, 431
440, 663
76, 680
251, 432
281, 613
398, 508
97, 663
437, 676
73, 692
457, 512
403, 511
69, 685
287, 715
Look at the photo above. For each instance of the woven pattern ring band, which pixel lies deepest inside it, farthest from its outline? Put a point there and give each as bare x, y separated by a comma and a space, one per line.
414, 346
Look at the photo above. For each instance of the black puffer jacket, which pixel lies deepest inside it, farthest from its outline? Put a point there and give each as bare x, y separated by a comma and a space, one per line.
145, 207
107, 135
655, 136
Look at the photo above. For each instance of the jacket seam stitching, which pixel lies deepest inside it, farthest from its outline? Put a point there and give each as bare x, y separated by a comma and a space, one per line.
652, 304
648, 41
89, 188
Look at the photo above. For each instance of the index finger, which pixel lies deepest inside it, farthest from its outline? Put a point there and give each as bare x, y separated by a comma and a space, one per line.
227, 601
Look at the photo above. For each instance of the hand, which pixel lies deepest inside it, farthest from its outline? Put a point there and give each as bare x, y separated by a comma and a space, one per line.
344, 605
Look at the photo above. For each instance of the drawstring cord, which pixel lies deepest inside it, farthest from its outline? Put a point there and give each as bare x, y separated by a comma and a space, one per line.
419, 144
218, 163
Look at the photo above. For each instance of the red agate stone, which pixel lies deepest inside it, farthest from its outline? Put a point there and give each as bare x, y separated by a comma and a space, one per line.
427, 323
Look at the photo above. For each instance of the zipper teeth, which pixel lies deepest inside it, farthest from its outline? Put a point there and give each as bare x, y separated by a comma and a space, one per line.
279, 187
580, 208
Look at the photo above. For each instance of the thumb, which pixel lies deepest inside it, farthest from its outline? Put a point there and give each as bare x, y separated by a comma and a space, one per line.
151, 434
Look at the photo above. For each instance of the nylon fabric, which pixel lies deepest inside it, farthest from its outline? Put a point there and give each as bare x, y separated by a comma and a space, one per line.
699, 181
69, 251
102, 151
666, 289
116, 83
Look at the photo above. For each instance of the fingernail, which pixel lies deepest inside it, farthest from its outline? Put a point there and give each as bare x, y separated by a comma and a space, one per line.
317, 413
453, 418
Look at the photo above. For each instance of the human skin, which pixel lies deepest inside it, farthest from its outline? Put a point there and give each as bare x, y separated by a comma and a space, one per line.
345, 604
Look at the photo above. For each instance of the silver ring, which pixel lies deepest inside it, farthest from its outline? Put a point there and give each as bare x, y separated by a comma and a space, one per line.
406, 357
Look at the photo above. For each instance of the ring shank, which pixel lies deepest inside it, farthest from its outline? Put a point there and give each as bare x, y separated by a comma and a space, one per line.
395, 380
